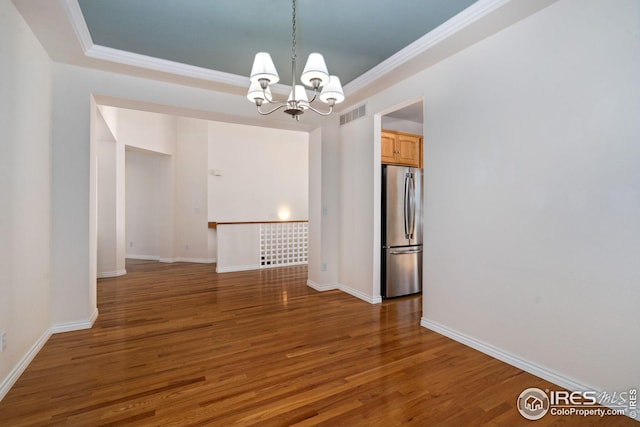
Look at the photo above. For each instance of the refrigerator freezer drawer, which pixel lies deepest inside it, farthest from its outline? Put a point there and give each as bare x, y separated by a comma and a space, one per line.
403, 271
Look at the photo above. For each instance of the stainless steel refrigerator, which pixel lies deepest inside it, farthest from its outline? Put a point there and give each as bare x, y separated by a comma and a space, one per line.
401, 231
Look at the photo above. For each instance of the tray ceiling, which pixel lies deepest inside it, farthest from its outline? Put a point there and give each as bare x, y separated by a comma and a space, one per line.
224, 35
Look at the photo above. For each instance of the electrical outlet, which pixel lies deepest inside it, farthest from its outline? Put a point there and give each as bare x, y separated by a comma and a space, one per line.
186, 247
3, 341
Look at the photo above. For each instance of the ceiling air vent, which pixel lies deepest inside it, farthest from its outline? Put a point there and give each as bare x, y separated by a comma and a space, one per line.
356, 113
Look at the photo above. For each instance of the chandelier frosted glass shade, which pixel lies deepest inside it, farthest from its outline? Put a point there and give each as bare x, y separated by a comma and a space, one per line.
257, 94
299, 95
332, 91
263, 69
315, 73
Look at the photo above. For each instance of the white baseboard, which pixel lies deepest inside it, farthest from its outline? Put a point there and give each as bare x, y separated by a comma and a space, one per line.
143, 257
513, 360
321, 287
195, 260
185, 259
361, 295
232, 268
75, 326
107, 274
346, 289
22, 364
170, 260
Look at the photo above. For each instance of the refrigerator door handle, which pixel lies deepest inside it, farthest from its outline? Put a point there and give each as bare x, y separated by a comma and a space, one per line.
412, 205
406, 206
413, 251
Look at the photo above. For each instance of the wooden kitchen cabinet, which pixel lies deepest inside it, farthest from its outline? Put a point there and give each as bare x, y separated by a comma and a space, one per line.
401, 148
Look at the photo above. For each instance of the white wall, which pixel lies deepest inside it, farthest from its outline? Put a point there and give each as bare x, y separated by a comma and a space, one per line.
110, 116
72, 281
330, 203
166, 186
149, 191
190, 198
263, 172
324, 207
150, 221
240, 247
143, 172
532, 194
111, 248
359, 164
391, 123
315, 264
254, 174
107, 232
25, 192
537, 227
147, 130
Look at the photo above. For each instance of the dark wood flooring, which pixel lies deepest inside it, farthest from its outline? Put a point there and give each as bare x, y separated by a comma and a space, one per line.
179, 345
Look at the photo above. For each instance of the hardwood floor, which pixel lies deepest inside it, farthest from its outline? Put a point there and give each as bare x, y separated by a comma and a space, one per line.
179, 345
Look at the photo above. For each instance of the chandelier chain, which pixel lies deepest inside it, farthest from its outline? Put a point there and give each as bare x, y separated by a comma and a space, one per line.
293, 32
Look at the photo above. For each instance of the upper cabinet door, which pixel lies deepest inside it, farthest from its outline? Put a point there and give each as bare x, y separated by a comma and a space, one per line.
388, 147
400, 148
408, 149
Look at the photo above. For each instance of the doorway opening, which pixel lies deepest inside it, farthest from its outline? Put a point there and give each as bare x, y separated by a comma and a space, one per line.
399, 132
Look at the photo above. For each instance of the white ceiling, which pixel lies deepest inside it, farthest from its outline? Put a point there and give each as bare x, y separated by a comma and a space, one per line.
410, 113
370, 44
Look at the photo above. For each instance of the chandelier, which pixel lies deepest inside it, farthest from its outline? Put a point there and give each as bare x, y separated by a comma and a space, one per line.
315, 76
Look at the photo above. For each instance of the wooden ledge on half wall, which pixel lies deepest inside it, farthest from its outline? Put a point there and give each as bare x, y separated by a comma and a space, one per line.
214, 225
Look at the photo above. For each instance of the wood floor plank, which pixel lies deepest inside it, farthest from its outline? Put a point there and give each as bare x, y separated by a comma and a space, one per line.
179, 345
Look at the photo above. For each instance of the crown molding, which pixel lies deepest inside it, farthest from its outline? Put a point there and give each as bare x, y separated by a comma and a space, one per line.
151, 63
73, 11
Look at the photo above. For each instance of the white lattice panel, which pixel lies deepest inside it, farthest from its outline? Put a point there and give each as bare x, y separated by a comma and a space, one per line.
283, 243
